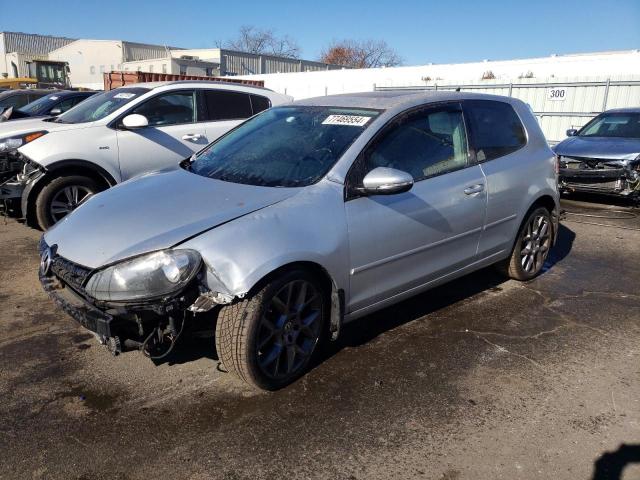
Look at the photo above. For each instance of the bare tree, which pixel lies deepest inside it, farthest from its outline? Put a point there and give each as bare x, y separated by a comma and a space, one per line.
361, 54
262, 41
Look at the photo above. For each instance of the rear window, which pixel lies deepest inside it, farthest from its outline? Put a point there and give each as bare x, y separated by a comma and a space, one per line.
226, 105
495, 129
259, 103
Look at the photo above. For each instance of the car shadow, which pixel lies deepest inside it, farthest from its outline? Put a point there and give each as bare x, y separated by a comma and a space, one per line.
366, 329
611, 465
561, 249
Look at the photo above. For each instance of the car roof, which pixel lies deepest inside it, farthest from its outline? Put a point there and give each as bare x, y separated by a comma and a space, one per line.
392, 99
25, 91
68, 93
212, 83
624, 110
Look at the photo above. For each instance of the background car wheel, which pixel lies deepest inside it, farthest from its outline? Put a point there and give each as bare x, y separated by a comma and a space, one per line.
268, 339
61, 196
531, 248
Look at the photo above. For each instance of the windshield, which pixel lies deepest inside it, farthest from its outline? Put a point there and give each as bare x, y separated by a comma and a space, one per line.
284, 146
619, 124
40, 104
100, 105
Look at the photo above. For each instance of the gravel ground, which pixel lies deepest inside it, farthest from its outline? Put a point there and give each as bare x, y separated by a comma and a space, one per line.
479, 379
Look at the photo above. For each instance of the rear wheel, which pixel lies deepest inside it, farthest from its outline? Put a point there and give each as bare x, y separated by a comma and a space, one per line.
531, 248
61, 196
268, 339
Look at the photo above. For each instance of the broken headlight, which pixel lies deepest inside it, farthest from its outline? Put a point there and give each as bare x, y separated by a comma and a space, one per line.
13, 143
148, 276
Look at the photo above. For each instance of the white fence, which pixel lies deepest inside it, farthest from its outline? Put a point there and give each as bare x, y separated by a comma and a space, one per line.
565, 90
558, 105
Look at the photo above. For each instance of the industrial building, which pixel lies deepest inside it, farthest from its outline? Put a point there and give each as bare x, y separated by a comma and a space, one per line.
223, 62
17, 49
89, 59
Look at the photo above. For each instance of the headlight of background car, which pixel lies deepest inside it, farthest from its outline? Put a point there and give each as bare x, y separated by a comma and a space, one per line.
152, 275
13, 143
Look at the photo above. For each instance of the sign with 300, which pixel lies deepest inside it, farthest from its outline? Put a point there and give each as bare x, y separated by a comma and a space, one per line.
556, 93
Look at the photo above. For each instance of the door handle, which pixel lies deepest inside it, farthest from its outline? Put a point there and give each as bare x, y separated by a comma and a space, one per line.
192, 137
472, 189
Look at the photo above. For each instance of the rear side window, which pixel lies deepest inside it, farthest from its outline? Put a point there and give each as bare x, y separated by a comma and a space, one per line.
259, 103
495, 128
169, 109
226, 105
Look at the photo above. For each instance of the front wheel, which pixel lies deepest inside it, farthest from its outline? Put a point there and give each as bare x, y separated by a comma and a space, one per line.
531, 248
61, 196
268, 339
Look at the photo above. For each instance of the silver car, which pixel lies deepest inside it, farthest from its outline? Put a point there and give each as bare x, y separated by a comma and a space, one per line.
304, 218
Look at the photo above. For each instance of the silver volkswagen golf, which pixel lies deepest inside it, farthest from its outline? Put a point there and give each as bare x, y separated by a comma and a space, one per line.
304, 218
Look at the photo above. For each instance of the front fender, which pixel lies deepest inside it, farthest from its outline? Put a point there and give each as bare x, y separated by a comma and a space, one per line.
308, 227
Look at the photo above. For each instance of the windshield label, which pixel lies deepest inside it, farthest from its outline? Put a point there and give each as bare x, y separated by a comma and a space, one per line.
352, 120
126, 96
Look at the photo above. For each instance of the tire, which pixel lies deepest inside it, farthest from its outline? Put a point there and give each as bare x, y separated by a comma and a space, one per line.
260, 343
60, 190
531, 247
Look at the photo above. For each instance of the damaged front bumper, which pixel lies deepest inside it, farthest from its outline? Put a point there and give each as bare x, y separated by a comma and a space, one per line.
617, 177
151, 326
17, 172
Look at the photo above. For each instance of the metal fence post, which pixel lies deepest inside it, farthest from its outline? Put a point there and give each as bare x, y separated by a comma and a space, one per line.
510, 88
606, 94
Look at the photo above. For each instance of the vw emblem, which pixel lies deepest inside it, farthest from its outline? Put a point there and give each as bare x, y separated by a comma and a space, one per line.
45, 261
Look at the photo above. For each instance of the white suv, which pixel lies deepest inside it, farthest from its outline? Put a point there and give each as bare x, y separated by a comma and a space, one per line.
113, 137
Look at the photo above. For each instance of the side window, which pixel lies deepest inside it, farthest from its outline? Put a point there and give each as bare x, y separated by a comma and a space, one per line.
66, 104
169, 109
227, 105
259, 103
495, 128
77, 100
21, 100
424, 144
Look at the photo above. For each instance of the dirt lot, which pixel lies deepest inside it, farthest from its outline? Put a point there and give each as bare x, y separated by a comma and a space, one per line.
479, 379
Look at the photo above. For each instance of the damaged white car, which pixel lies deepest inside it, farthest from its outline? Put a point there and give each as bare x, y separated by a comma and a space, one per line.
303, 218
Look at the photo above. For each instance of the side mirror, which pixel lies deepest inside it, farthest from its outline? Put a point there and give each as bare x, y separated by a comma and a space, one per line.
386, 181
572, 132
55, 111
135, 121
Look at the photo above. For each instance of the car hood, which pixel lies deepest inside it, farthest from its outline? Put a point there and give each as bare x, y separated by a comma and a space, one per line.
21, 126
152, 212
599, 147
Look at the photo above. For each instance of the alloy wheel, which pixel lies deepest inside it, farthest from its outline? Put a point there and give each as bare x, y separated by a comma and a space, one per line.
289, 329
67, 200
535, 244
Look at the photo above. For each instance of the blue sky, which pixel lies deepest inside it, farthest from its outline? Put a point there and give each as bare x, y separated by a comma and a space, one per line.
422, 31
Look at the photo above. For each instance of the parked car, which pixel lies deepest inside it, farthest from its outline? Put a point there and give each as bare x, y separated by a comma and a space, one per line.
53, 104
604, 155
50, 166
20, 97
306, 217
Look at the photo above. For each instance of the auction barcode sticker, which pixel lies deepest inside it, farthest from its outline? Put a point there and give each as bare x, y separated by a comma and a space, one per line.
353, 120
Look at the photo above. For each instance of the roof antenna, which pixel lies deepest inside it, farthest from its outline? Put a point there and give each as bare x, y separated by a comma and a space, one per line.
458, 89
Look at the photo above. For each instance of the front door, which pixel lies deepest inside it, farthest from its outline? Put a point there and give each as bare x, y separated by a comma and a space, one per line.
402, 241
173, 134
